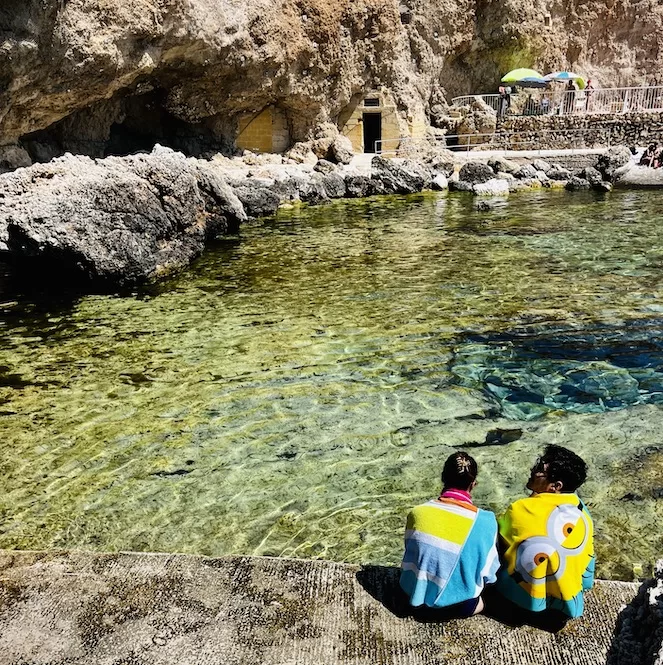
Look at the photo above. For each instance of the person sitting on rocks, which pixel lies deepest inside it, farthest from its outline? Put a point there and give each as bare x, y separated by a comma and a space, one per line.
649, 155
450, 546
547, 540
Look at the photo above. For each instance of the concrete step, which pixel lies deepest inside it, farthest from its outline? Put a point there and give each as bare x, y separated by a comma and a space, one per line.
102, 609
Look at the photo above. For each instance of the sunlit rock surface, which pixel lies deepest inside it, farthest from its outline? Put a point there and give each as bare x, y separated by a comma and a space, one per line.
206, 61
98, 609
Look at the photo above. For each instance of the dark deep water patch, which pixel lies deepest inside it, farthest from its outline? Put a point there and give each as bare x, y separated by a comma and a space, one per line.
585, 371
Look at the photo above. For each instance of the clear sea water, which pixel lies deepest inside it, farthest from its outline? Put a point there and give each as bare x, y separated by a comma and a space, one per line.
297, 390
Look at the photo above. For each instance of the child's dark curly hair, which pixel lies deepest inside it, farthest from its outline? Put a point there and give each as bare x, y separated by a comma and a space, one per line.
564, 465
460, 471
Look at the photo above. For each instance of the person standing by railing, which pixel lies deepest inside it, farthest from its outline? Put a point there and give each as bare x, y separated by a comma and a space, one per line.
589, 90
505, 99
570, 97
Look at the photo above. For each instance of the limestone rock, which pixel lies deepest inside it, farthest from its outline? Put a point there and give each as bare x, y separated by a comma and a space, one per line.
639, 632
301, 153
440, 182
633, 175
575, 184
405, 178
476, 172
341, 149
612, 160
13, 157
591, 175
556, 172
258, 200
358, 186
493, 187
460, 186
120, 220
324, 166
541, 165
332, 184
525, 171
502, 165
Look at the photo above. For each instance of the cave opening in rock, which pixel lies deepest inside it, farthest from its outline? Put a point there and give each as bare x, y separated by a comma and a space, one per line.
124, 126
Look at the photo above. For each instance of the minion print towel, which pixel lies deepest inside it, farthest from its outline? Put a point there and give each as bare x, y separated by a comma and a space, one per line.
548, 545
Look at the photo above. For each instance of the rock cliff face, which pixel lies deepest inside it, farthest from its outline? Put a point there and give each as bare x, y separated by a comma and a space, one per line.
99, 76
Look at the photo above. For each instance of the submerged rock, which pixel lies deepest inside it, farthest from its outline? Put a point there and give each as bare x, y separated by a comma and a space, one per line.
120, 219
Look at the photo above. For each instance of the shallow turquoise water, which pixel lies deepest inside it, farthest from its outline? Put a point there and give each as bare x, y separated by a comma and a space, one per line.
298, 389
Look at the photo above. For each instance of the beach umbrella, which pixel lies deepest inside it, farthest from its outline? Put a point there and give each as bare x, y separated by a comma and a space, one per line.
516, 75
565, 77
531, 82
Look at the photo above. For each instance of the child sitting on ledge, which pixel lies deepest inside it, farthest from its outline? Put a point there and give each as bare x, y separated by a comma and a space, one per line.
450, 546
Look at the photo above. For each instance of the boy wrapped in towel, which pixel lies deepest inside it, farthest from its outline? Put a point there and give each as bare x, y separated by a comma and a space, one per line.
450, 545
548, 539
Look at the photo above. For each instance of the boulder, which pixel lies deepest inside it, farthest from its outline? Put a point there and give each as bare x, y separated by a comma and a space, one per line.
440, 182
405, 178
575, 184
638, 636
591, 175
603, 186
460, 186
493, 187
633, 175
556, 172
332, 184
358, 186
13, 157
502, 165
301, 153
612, 160
257, 199
325, 166
120, 220
541, 165
476, 173
525, 171
341, 150
442, 161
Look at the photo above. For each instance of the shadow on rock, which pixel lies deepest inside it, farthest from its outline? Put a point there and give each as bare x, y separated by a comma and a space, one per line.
638, 636
381, 582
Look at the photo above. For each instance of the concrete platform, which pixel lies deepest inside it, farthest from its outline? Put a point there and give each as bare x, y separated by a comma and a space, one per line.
135, 609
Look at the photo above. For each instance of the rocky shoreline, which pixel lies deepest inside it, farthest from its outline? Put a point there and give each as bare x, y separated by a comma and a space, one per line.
126, 220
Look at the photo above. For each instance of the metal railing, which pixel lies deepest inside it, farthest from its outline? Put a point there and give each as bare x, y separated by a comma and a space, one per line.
552, 139
612, 101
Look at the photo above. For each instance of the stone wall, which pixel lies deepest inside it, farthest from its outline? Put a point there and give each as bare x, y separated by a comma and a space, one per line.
580, 131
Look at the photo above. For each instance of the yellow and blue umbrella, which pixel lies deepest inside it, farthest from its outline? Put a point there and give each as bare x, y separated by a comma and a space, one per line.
566, 76
516, 75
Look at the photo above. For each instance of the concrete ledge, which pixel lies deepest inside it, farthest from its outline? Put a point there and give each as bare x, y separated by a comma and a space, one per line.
75, 608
